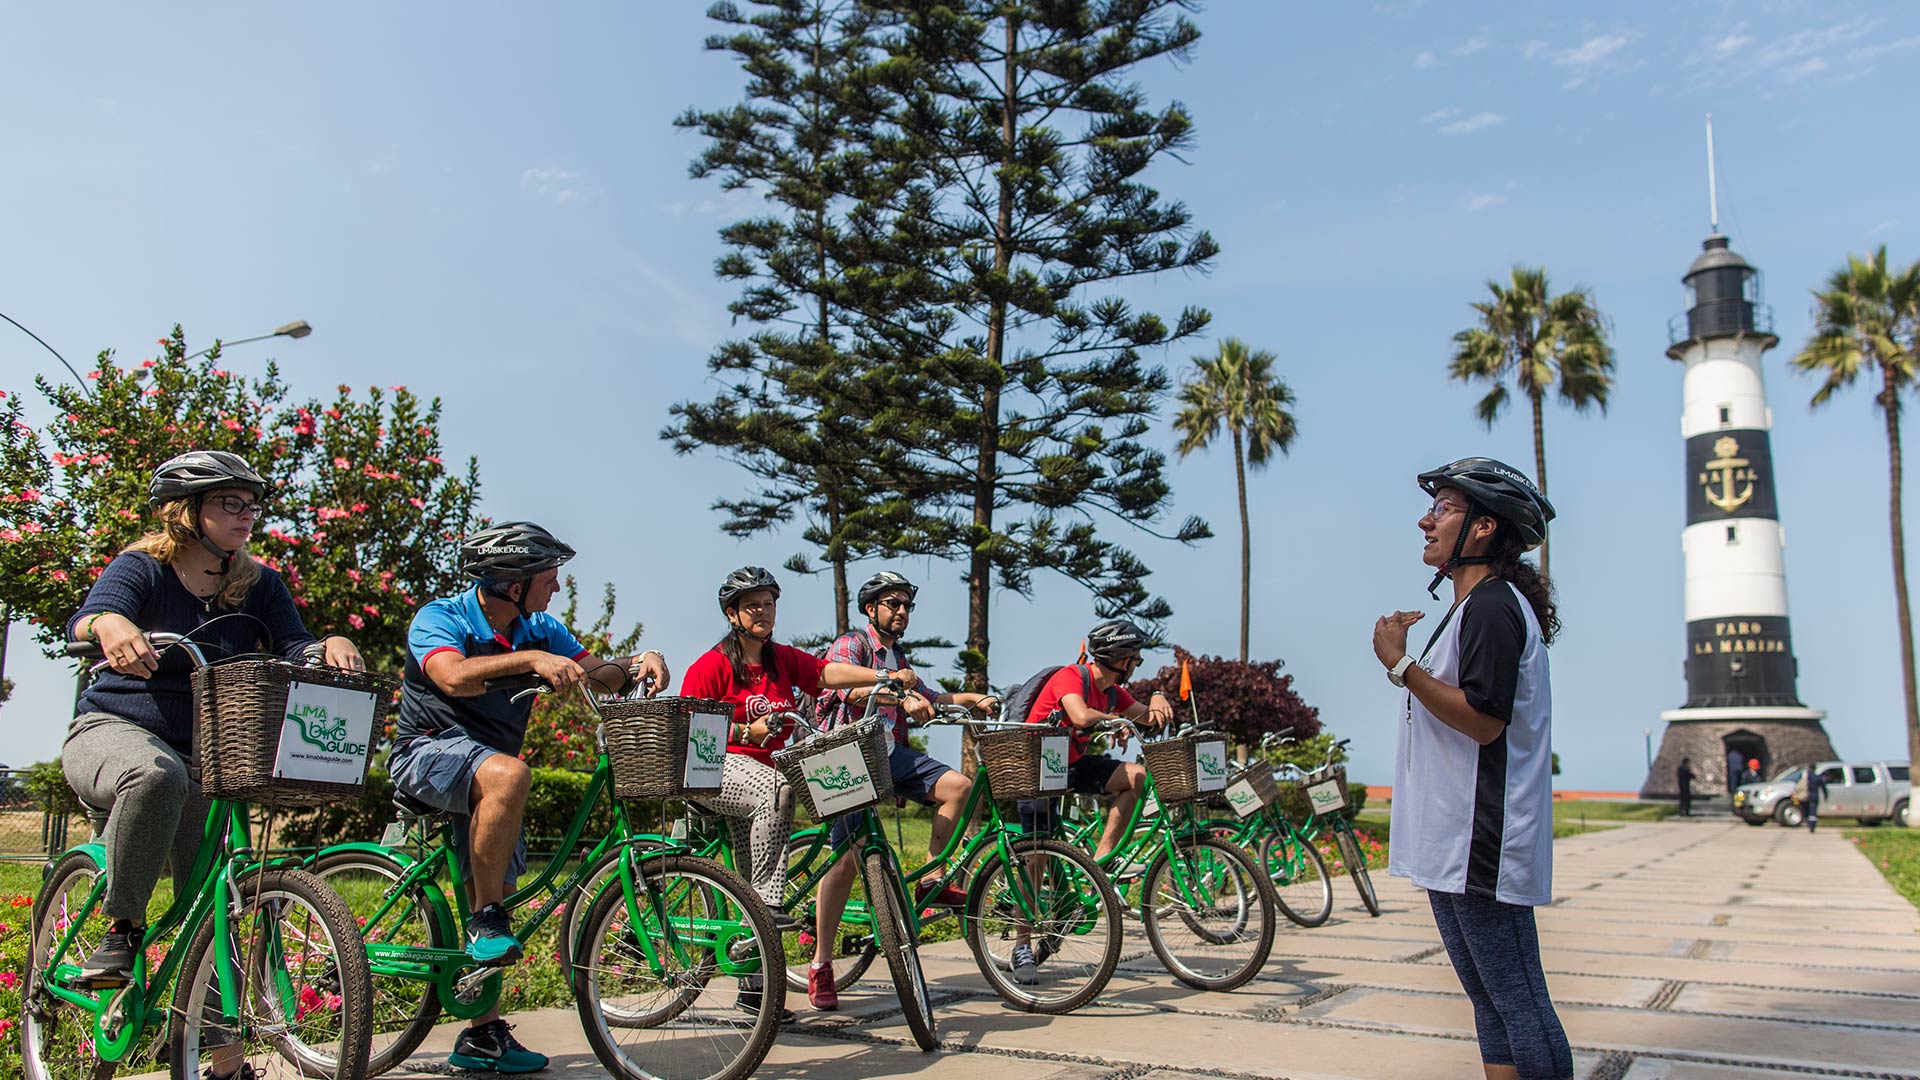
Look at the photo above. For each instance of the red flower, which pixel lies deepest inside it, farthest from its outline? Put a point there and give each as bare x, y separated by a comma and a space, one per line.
356, 621
230, 424
333, 414
342, 463
304, 424
371, 610
59, 575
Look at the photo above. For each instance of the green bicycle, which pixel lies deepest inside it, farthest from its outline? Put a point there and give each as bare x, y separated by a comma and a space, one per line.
1292, 862
1206, 908
273, 973
1326, 789
656, 944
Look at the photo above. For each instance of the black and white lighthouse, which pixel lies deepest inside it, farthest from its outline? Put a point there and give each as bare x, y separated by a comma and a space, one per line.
1740, 667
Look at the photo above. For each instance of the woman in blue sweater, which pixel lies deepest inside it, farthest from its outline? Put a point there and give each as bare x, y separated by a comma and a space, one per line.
128, 748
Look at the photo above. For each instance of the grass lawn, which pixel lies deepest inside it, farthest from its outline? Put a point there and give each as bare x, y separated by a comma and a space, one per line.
1896, 852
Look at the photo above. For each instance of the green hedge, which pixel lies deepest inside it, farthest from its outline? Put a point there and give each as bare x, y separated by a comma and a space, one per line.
552, 800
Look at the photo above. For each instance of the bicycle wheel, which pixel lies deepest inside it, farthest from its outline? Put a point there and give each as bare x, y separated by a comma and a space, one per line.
683, 1014
853, 954
1208, 913
56, 1036
306, 997
1357, 868
405, 1006
1299, 876
1075, 934
900, 946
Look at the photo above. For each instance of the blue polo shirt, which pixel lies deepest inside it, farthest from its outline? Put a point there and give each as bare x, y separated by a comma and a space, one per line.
459, 624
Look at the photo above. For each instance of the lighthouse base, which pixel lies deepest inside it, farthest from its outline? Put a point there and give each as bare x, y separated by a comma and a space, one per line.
1778, 735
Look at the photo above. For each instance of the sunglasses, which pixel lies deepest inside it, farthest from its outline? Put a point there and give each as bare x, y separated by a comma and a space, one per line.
237, 506
897, 604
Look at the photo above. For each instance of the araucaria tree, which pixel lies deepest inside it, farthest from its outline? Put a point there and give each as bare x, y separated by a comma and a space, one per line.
1539, 341
1236, 389
1867, 322
1020, 144
790, 409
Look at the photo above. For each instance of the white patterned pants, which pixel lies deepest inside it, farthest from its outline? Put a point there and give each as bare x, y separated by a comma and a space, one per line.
758, 805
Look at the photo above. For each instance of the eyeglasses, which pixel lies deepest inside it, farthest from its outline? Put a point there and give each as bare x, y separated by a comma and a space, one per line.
897, 604
758, 606
237, 506
1442, 507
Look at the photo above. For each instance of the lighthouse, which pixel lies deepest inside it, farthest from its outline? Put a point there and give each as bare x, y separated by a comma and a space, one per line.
1740, 667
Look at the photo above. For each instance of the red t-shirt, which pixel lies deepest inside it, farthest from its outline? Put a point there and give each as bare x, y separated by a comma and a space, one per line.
1073, 679
711, 676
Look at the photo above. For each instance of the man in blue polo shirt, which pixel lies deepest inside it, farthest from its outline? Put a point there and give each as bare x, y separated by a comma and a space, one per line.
456, 744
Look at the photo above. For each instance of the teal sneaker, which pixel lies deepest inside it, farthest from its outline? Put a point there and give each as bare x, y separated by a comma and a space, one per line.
490, 939
491, 1047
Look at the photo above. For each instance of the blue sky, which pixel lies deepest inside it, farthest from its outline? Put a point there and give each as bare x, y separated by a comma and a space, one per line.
488, 202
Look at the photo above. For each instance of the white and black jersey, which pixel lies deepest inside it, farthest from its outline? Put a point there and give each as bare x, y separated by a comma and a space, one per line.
1479, 819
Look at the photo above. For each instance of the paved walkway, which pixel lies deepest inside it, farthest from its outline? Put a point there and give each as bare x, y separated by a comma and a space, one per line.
1679, 951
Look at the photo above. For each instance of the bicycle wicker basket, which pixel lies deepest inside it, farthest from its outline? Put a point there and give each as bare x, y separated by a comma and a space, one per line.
1014, 760
1258, 777
1174, 767
825, 769
240, 713
1333, 773
647, 742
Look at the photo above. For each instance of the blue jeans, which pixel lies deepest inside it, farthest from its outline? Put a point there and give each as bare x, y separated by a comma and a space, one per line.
1495, 950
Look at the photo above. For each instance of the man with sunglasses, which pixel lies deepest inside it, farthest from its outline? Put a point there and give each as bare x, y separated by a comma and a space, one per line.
887, 601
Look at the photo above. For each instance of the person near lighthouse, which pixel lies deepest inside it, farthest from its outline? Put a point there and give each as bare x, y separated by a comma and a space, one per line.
1473, 793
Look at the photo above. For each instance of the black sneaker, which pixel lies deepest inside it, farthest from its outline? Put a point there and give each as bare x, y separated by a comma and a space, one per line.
784, 923
111, 964
491, 1047
750, 999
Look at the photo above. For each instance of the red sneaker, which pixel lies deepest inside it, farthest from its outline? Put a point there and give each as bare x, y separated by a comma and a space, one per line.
820, 989
946, 895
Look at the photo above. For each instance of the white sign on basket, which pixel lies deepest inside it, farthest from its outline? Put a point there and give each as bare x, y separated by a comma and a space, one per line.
1210, 764
838, 779
706, 750
1053, 763
1244, 800
325, 734
1326, 797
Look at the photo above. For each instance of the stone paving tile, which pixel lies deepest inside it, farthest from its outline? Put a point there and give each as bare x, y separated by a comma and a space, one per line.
1440, 979
1901, 1012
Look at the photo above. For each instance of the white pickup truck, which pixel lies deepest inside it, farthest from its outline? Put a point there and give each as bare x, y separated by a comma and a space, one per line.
1871, 791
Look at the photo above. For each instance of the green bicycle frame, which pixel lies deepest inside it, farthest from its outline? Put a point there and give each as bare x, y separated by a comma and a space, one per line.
1163, 831
215, 870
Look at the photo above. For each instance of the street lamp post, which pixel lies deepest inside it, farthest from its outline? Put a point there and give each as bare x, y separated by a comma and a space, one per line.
296, 329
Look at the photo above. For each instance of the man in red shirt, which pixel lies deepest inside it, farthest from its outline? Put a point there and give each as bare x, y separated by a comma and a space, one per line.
1113, 655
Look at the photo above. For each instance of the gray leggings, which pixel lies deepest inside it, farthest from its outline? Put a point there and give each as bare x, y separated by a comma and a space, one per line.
758, 805
155, 812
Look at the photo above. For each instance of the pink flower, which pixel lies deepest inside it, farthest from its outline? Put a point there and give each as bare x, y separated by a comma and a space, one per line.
230, 424
218, 374
148, 363
434, 458
6, 1026
333, 414
396, 389
342, 463
303, 425
30, 527
9, 535
354, 575
371, 610
9, 980
359, 508
59, 575
356, 622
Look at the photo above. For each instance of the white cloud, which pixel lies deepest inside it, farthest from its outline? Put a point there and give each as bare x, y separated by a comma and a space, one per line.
1868, 52
1470, 46
1839, 48
1438, 115
1534, 48
1484, 201
560, 185
1591, 56
1426, 60
1472, 123
1812, 65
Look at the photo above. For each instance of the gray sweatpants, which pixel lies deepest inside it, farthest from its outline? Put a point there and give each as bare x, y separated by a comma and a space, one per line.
155, 812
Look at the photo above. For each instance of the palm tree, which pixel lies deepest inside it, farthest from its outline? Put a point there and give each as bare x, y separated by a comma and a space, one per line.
1866, 320
1236, 389
1538, 340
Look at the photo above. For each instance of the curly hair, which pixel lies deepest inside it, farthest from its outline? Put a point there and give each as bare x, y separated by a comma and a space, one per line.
178, 532
1506, 552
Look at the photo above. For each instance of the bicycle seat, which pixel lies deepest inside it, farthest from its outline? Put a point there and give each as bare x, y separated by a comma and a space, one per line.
96, 817
412, 807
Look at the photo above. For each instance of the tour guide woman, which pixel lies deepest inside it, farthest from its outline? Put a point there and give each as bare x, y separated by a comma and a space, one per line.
128, 748
761, 678
1472, 787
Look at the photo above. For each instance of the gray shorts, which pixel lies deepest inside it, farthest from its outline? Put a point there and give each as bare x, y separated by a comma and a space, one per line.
438, 770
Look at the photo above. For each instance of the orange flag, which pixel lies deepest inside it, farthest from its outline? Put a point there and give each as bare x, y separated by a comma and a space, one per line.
1186, 681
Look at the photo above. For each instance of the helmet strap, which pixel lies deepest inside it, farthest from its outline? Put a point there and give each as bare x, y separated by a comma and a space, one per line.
499, 592
218, 552
1456, 560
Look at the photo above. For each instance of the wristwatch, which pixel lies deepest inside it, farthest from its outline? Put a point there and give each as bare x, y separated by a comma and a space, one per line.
1397, 674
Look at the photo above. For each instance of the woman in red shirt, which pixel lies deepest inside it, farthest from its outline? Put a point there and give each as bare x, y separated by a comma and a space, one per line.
761, 678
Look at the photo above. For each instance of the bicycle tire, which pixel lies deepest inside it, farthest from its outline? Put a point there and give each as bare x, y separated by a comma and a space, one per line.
1251, 908
847, 969
45, 1019
1299, 899
343, 974
1357, 869
607, 921
413, 1019
574, 929
981, 925
901, 948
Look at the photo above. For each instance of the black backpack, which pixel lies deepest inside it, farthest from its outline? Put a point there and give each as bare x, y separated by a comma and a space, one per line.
1021, 698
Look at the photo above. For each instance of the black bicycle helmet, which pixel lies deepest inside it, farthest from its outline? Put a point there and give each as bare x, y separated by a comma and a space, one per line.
885, 581
1493, 488
1114, 640
514, 551
197, 472
745, 580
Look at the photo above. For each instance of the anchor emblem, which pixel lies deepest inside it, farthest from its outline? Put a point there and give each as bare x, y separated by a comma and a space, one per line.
1726, 468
